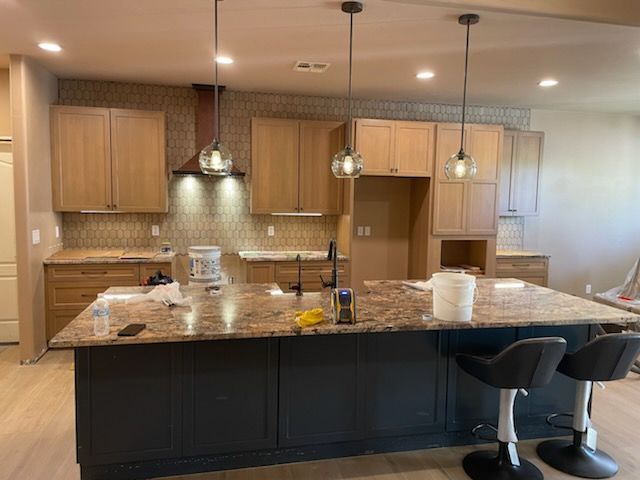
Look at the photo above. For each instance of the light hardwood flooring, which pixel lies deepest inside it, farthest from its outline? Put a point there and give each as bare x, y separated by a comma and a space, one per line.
37, 434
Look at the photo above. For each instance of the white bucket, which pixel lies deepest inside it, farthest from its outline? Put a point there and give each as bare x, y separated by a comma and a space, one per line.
453, 296
204, 264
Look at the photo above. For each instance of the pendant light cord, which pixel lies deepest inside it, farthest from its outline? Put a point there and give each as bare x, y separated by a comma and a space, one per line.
348, 129
464, 92
216, 106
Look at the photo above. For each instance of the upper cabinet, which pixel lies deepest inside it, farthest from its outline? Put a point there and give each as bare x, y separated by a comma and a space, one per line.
468, 207
520, 173
108, 160
395, 148
291, 166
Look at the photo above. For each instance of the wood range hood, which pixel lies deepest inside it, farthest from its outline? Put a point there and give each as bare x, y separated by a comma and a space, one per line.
206, 116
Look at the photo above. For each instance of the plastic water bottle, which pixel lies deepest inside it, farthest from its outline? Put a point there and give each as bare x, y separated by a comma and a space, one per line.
101, 317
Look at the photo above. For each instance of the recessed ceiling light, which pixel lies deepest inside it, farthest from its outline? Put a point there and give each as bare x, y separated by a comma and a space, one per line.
425, 75
224, 60
50, 47
548, 82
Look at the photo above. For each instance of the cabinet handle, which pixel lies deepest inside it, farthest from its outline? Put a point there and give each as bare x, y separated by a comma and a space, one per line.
108, 206
301, 209
94, 273
86, 295
521, 264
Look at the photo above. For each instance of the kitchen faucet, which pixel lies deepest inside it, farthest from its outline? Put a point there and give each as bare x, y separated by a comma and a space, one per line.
298, 286
332, 255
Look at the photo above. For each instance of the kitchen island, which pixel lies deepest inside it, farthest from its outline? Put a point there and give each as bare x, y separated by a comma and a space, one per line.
231, 381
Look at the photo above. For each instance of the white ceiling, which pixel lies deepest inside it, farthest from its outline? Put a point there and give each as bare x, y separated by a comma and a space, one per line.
170, 42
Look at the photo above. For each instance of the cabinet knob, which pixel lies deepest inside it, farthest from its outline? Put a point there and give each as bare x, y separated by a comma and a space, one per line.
301, 209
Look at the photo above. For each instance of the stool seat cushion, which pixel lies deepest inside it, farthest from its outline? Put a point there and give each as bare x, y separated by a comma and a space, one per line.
527, 363
605, 358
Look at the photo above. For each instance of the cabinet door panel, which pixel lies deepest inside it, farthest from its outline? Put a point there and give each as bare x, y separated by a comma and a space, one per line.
261, 272
448, 144
375, 142
321, 394
486, 148
138, 161
414, 149
508, 152
320, 191
274, 165
450, 215
483, 218
230, 392
526, 172
81, 158
406, 376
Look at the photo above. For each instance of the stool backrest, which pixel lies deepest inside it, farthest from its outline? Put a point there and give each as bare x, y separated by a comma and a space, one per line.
529, 363
607, 357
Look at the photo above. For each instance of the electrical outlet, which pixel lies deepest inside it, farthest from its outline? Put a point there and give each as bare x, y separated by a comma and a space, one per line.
360, 230
57, 231
587, 289
155, 230
367, 231
35, 236
271, 231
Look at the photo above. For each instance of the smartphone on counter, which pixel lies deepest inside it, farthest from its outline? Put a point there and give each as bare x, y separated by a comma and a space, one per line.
131, 330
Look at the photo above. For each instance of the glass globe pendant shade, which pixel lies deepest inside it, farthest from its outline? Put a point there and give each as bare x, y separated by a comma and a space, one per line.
215, 159
460, 167
347, 163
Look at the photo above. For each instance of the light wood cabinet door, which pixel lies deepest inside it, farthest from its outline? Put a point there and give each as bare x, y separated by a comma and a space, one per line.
139, 163
508, 151
274, 165
375, 142
482, 208
450, 214
526, 172
414, 149
261, 272
448, 144
320, 190
485, 146
81, 158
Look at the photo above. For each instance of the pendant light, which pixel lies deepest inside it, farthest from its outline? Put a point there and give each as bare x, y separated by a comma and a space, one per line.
462, 166
347, 163
215, 158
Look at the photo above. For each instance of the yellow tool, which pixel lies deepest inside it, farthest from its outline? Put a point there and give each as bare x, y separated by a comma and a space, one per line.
309, 317
343, 305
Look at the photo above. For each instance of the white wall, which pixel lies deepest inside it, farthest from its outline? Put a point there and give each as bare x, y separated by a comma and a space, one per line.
590, 210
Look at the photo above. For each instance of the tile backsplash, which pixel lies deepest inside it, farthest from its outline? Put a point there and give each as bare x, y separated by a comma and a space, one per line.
214, 210
510, 233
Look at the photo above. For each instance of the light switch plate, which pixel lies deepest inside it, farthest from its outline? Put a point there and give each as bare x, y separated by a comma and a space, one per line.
271, 231
35, 236
367, 231
587, 289
155, 230
57, 231
360, 230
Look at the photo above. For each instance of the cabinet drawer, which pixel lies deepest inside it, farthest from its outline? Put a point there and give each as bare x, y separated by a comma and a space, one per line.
149, 269
311, 270
73, 296
521, 265
100, 274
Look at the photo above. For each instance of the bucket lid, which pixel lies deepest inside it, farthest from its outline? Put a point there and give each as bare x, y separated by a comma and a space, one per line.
204, 248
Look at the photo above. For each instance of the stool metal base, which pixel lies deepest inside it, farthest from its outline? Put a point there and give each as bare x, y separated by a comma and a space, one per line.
579, 461
488, 465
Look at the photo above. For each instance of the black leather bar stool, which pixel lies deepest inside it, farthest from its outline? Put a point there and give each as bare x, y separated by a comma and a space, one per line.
524, 364
606, 358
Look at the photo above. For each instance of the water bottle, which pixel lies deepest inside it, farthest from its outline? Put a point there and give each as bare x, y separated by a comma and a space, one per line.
101, 317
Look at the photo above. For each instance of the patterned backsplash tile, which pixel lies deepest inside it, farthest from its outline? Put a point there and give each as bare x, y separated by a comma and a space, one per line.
510, 233
216, 211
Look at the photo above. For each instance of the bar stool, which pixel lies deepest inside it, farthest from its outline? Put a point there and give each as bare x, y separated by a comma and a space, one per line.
606, 358
524, 364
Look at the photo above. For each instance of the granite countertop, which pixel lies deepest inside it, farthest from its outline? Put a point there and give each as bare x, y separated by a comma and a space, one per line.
249, 311
287, 256
86, 257
515, 253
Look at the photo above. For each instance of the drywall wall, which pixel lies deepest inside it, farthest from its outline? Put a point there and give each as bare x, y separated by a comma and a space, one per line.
33, 89
590, 196
5, 115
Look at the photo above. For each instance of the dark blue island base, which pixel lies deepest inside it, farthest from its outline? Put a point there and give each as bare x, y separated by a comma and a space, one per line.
164, 409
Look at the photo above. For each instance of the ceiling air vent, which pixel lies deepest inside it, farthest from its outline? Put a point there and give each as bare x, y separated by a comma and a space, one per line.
313, 67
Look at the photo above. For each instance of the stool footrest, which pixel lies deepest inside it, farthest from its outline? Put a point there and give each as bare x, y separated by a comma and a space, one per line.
550, 421
475, 431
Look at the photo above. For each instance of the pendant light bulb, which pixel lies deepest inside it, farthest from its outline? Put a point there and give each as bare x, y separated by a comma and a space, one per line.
461, 165
215, 158
347, 163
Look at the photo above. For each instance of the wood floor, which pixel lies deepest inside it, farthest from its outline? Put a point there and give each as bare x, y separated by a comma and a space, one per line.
37, 436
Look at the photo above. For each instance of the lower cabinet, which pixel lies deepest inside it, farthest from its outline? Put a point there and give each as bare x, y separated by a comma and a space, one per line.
230, 395
529, 269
